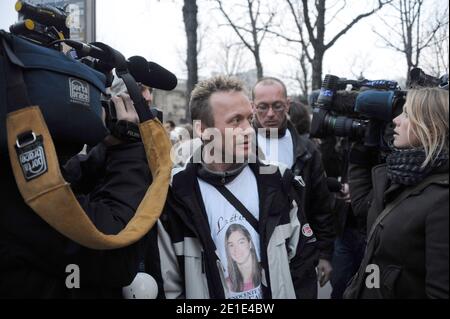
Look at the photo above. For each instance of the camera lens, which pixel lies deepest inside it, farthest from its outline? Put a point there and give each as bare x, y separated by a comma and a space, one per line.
343, 126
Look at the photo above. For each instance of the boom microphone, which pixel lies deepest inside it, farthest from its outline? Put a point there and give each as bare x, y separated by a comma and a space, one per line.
151, 74
148, 73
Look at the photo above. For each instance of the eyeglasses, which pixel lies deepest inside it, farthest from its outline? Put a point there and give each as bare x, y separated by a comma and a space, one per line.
277, 107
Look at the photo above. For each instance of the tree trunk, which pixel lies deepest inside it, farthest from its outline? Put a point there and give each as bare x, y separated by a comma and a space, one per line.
410, 66
190, 10
305, 79
319, 46
259, 67
317, 69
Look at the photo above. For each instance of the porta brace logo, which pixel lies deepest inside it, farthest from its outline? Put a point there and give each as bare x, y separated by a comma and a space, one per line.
33, 163
79, 91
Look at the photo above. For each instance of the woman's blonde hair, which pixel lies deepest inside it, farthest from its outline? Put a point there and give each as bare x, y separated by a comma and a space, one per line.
427, 110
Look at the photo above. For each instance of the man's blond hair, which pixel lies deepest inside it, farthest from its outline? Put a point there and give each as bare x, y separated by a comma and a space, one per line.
200, 96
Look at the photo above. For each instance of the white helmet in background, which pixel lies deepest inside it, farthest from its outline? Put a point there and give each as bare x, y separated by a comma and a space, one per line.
143, 286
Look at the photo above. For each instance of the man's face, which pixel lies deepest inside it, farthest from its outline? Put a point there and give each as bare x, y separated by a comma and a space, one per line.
147, 93
270, 105
232, 113
167, 127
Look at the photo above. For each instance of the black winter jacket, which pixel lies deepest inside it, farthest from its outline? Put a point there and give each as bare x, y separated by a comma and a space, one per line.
411, 245
109, 184
317, 201
188, 254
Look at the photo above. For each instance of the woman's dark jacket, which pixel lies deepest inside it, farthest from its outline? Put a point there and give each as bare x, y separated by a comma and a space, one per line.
411, 244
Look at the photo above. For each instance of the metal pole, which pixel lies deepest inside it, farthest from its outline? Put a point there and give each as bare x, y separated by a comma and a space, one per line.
90, 16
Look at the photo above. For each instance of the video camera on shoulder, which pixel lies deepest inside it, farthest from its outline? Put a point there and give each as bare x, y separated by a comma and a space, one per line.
365, 112
70, 87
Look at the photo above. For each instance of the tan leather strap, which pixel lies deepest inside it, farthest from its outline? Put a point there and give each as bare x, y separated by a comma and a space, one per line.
51, 197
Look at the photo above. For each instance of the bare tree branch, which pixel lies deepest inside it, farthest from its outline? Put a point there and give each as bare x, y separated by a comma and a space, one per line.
296, 16
389, 26
344, 4
284, 37
388, 42
253, 32
235, 28
266, 28
356, 20
414, 40
307, 21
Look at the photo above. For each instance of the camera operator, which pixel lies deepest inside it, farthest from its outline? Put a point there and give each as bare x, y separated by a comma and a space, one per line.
118, 87
350, 230
406, 201
109, 183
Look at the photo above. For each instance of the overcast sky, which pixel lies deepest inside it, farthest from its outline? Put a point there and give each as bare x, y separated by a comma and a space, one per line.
155, 30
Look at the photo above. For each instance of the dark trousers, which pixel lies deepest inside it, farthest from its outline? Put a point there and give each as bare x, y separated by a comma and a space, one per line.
348, 254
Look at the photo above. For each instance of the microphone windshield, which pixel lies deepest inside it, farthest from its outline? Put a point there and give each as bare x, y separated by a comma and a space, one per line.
151, 74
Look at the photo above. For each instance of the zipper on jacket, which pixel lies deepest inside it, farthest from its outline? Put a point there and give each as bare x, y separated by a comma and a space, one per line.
300, 180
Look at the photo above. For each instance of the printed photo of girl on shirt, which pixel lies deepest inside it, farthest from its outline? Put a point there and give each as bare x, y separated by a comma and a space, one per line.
244, 270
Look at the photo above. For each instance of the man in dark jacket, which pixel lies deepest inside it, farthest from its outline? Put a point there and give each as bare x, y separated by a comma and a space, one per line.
350, 235
38, 262
271, 106
232, 227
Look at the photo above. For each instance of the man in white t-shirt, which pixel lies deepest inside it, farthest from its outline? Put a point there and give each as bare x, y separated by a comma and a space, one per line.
280, 143
229, 230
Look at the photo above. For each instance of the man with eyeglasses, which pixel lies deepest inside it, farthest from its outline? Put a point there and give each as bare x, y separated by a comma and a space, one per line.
271, 106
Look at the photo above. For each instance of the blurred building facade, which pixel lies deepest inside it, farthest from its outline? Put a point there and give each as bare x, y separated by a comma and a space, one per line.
172, 103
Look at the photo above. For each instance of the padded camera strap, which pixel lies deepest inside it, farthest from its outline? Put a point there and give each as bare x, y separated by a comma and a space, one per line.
51, 197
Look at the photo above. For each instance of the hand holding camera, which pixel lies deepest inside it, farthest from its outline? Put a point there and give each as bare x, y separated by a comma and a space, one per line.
123, 128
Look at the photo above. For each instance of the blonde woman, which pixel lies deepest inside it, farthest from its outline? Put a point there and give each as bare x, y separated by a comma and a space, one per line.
407, 254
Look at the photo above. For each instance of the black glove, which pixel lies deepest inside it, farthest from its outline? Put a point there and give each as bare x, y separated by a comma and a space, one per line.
125, 131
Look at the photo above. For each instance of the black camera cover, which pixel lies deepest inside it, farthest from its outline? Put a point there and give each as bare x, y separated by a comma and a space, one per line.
67, 92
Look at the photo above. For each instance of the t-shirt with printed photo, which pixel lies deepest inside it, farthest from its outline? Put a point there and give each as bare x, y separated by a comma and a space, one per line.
237, 242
